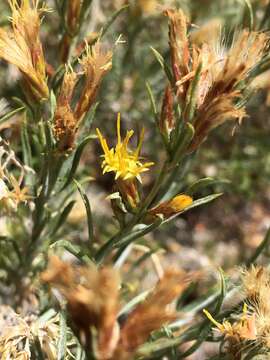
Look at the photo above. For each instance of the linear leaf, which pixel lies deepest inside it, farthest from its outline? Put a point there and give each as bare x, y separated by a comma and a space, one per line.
73, 249
8, 115
164, 66
76, 161
63, 217
264, 244
62, 343
88, 212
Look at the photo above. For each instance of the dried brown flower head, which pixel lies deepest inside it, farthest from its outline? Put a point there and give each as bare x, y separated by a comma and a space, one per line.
19, 333
152, 313
208, 33
220, 100
256, 286
65, 123
12, 192
179, 47
220, 74
21, 46
92, 300
95, 63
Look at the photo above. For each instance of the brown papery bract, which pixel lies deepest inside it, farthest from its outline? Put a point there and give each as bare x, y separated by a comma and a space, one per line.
95, 63
92, 301
151, 314
218, 87
65, 123
21, 47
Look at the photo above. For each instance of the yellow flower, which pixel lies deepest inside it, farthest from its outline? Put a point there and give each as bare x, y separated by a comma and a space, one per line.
123, 162
242, 329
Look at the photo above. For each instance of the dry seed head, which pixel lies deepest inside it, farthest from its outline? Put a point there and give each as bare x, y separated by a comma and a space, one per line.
222, 71
215, 113
152, 313
92, 300
208, 33
256, 286
21, 46
95, 63
179, 43
12, 192
254, 281
217, 90
19, 334
65, 122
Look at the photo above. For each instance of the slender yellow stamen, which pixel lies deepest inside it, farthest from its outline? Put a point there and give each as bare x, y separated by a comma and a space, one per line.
124, 162
210, 317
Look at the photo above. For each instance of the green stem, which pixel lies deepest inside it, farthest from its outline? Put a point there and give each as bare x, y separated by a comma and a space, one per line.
109, 245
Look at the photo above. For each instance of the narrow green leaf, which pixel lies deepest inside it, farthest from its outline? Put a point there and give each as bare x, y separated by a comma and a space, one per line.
53, 104
152, 101
89, 118
134, 235
260, 249
152, 348
62, 342
9, 115
202, 335
88, 213
184, 141
203, 183
63, 217
84, 10
192, 95
196, 203
250, 12
73, 249
141, 260
132, 303
222, 292
76, 161
109, 23
26, 148
45, 317
203, 201
164, 66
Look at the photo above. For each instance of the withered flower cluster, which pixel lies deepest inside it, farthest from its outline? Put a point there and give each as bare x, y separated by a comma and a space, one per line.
93, 303
18, 333
21, 47
12, 191
208, 79
251, 328
95, 63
